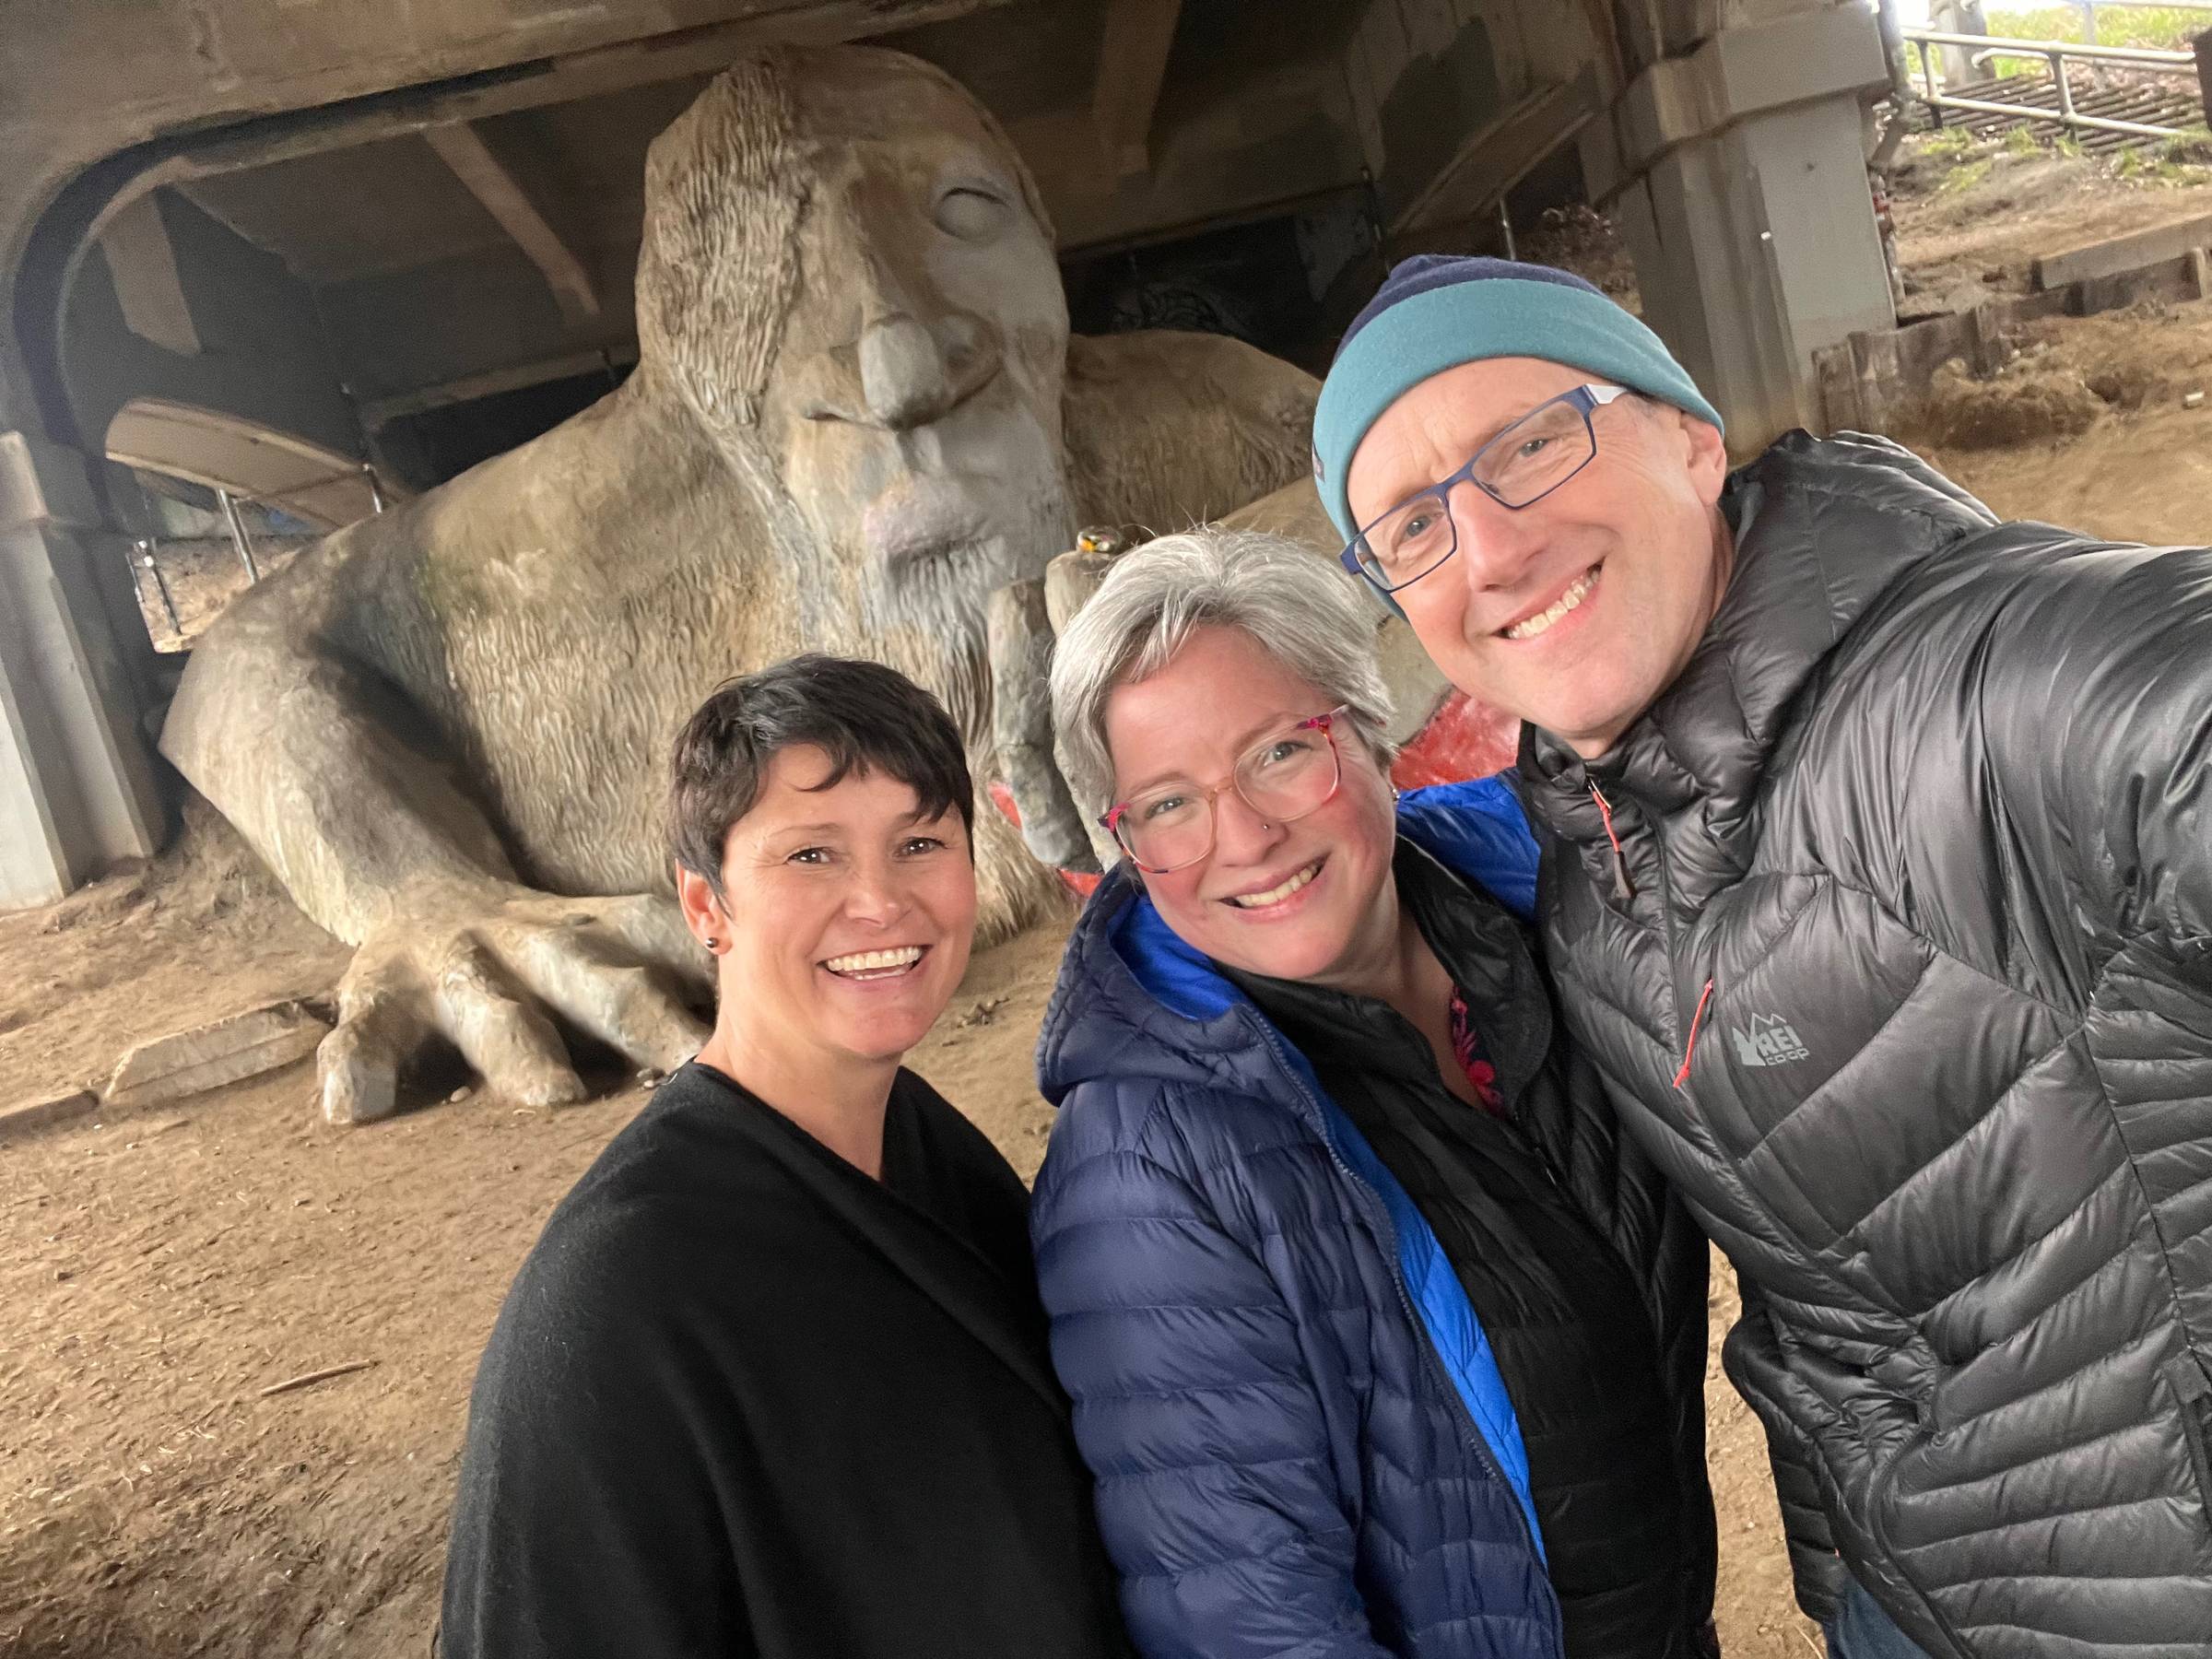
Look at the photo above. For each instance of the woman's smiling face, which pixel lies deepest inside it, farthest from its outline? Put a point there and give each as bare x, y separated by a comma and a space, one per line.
1298, 901
850, 914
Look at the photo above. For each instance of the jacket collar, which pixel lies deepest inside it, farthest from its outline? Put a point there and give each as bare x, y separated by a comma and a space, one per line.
1480, 947
1823, 528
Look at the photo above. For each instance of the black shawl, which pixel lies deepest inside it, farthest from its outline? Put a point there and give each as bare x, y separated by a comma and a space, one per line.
742, 1400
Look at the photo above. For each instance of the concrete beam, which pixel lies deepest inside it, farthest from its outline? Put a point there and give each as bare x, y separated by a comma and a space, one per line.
143, 261
1287, 136
1744, 72
103, 99
2118, 254
1612, 56
1737, 176
493, 184
44, 1112
1492, 161
1132, 61
228, 1050
382, 411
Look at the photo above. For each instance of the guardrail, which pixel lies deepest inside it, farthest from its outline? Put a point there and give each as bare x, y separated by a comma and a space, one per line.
2055, 53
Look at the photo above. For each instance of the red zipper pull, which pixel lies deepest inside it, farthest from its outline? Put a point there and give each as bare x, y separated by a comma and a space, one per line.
1682, 1077
1623, 888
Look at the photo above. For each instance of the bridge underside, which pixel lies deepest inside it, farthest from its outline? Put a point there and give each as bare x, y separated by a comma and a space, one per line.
406, 234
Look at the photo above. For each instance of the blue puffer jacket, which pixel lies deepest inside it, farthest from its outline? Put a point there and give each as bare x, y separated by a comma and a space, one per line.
1306, 1449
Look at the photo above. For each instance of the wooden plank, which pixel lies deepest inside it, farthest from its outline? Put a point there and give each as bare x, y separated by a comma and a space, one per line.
250, 459
382, 411
1838, 389
143, 261
1132, 61
1890, 369
2123, 253
26, 1115
488, 180
228, 1050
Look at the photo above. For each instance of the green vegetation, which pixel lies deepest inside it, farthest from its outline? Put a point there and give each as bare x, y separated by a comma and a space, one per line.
1966, 176
2167, 27
1949, 144
2192, 147
1959, 161
2176, 162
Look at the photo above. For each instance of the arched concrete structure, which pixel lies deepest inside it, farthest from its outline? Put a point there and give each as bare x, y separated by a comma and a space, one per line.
1700, 122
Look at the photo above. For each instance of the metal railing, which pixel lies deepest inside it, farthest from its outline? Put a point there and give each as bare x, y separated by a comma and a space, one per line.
2056, 52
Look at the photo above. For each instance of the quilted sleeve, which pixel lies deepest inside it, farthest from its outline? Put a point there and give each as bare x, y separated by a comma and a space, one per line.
2097, 706
1216, 1491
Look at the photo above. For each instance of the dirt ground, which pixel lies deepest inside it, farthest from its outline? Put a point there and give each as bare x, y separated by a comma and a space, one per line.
2088, 424
160, 1268
1971, 220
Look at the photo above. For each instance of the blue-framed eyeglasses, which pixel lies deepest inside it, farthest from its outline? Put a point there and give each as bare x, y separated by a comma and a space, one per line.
1516, 468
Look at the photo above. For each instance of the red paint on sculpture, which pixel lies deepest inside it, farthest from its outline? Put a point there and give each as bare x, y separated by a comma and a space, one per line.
1463, 740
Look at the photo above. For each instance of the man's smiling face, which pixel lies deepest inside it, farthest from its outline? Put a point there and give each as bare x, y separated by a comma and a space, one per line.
1576, 611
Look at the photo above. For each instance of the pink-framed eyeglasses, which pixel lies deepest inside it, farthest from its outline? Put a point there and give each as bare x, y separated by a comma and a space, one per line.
1283, 777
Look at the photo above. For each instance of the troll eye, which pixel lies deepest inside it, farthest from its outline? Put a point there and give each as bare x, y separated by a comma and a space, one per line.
972, 214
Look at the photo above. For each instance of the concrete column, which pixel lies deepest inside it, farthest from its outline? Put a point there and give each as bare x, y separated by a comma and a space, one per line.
1955, 63
1737, 177
77, 788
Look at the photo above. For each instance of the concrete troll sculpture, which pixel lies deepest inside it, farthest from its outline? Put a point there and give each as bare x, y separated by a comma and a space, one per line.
857, 413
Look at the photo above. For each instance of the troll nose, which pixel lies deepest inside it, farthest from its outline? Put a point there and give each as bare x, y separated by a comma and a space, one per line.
913, 373
901, 372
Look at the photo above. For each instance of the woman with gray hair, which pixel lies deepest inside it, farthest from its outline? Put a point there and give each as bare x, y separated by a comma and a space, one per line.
1381, 1340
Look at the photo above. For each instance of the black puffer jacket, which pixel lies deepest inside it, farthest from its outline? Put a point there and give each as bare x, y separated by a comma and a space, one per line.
1903, 972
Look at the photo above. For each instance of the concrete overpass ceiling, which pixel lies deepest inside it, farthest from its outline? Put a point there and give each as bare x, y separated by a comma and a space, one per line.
481, 257
346, 213
393, 203
1024, 61
1217, 44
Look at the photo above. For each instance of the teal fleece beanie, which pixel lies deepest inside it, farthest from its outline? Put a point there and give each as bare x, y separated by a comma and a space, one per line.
1434, 313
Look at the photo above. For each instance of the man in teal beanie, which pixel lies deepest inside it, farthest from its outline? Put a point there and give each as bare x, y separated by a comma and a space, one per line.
1879, 884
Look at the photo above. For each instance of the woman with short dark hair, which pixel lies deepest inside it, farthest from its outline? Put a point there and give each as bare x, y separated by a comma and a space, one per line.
773, 1382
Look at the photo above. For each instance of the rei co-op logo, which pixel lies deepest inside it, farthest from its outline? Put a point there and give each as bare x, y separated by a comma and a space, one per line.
1769, 1040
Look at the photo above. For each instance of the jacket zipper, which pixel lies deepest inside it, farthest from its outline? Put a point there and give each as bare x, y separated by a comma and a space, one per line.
1887, 1476
1689, 1049
1470, 1431
1624, 889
